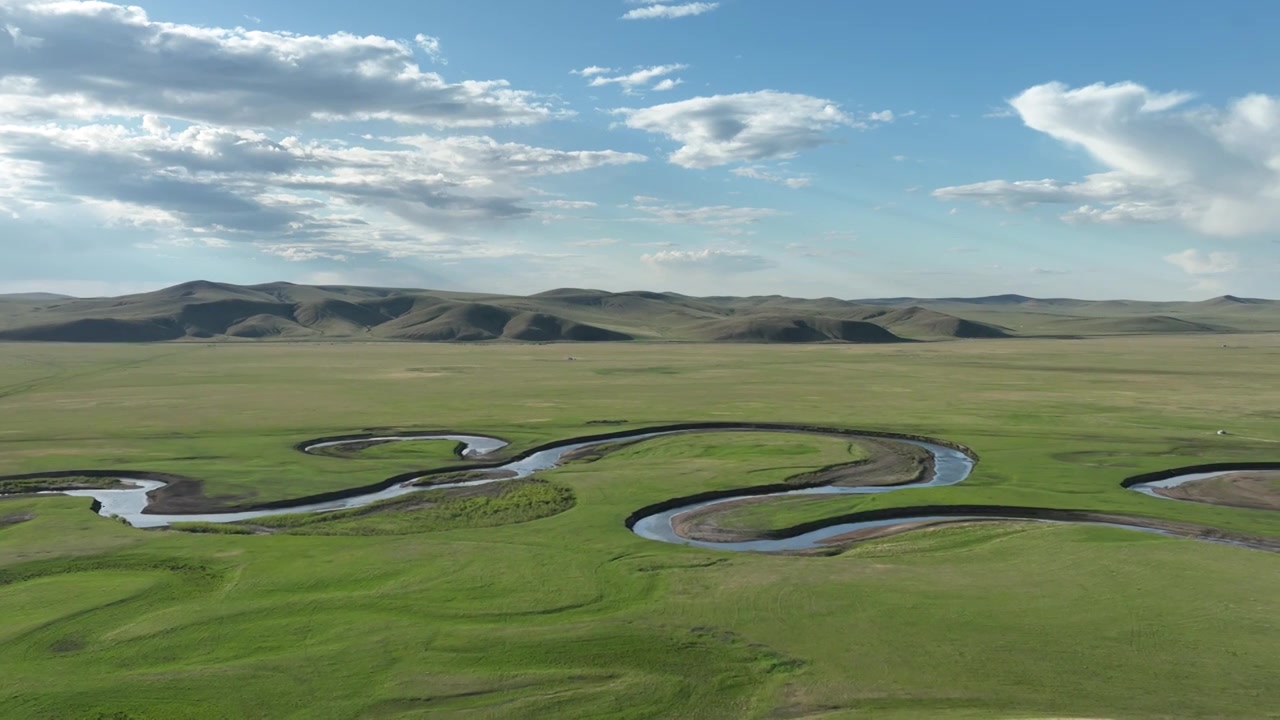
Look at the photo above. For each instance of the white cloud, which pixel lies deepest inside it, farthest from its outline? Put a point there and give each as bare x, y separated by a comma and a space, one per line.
301, 253
591, 70
757, 173
710, 260
98, 59
1196, 262
431, 46
418, 197
667, 84
1214, 170
669, 12
597, 242
639, 77
745, 127
566, 204
884, 116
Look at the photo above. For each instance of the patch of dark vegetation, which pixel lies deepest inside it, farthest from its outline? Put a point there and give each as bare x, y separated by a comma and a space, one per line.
608, 422
59, 483
464, 476
652, 567
67, 645
766, 659
1089, 458
195, 576
212, 528
426, 511
639, 371
11, 520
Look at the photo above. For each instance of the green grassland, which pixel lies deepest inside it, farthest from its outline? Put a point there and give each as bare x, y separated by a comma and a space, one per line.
415, 611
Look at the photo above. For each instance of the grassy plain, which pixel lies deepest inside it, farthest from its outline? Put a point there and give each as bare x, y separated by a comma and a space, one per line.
574, 616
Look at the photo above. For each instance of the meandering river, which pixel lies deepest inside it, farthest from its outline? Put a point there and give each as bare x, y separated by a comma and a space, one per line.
950, 466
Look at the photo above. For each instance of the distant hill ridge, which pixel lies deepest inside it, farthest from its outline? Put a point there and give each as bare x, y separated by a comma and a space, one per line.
205, 310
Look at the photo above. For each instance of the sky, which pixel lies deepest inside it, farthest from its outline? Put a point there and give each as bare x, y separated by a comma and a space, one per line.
844, 148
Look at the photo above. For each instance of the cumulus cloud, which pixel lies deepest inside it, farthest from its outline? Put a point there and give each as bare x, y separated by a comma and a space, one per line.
1197, 262
90, 59
639, 77
745, 127
710, 260
1213, 170
658, 11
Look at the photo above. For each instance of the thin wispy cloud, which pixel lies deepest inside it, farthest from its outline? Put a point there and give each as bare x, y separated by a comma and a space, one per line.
758, 173
638, 78
659, 11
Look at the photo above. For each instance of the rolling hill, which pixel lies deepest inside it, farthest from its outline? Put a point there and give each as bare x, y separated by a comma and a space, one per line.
281, 311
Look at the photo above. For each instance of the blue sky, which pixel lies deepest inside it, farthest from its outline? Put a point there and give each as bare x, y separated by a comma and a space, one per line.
854, 149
